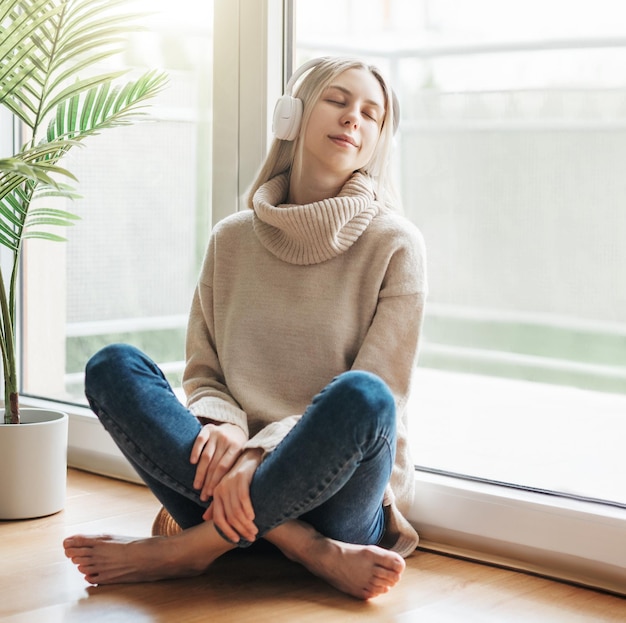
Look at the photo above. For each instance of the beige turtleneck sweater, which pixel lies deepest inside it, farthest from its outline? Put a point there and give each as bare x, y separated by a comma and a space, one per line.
289, 297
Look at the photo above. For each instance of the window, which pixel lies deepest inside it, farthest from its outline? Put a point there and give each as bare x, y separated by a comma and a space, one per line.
129, 267
512, 137
510, 150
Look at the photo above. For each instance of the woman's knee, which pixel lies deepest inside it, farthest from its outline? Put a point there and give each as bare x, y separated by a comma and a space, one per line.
107, 364
368, 395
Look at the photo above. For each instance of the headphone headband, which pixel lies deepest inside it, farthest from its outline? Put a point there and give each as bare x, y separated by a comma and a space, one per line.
302, 70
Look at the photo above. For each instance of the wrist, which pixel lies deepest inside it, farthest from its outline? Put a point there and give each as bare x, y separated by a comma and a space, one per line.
205, 421
253, 455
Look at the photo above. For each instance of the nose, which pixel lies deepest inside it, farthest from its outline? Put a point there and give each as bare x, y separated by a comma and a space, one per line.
351, 118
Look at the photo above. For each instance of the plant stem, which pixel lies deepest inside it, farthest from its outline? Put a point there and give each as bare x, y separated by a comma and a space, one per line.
7, 344
14, 409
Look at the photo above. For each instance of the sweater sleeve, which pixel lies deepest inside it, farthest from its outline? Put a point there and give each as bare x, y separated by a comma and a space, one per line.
269, 437
208, 397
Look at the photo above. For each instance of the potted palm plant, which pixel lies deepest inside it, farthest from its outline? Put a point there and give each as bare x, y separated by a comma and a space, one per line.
50, 52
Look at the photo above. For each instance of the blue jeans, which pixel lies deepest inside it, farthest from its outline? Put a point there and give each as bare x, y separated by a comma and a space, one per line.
329, 471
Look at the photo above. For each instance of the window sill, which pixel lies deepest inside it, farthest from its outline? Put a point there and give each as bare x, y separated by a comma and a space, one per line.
565, 539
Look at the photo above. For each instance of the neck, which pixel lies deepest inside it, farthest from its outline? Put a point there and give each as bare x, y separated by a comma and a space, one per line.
305, 189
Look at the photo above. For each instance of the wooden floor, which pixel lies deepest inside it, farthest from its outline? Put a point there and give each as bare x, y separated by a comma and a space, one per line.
38, 584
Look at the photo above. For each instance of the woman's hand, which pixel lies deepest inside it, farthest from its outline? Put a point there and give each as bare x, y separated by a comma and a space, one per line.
215, 451
231, 509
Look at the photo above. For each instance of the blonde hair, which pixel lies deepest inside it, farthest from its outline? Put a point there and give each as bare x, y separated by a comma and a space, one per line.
286, 156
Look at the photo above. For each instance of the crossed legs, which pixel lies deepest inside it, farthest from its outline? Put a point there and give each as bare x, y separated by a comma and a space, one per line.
328, 521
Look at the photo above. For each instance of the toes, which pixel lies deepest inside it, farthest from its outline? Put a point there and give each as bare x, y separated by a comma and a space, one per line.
86, 569
386, 576
389, 566
72, 542
79, 554
77, 541
379, 586
79, 546
396, 564
374, 591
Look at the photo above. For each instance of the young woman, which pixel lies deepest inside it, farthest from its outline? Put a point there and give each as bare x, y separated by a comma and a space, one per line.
301, 345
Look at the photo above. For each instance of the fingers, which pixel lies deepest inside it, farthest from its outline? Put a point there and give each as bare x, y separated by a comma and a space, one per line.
214, 452
218, 466
232, 513
231, 509
199, 443
201, 454
208, 513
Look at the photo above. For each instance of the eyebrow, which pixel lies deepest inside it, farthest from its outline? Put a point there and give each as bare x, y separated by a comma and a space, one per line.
348, 92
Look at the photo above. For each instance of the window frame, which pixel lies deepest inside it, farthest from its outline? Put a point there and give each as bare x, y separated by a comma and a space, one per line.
561, 538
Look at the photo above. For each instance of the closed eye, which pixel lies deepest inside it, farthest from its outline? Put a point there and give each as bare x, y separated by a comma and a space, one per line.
335, 95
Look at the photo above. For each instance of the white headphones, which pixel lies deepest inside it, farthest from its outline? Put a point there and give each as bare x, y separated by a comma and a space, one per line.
288, 109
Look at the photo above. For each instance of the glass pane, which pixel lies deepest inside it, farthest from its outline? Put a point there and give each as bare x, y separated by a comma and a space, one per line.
510, 160
129, 267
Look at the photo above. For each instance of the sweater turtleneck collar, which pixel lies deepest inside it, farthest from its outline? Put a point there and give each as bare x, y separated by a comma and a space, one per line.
315, 232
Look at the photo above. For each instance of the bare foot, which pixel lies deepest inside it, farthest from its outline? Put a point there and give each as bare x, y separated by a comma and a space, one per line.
363, 571
112, 560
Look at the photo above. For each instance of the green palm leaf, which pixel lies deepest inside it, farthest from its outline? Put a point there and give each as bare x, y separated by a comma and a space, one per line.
44, 45
37, 164
22, 169
83, 115
20, 22
55, 33
101, 107
78, 35
47, 217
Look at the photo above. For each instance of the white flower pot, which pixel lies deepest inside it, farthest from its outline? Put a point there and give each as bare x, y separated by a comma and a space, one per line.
33, 464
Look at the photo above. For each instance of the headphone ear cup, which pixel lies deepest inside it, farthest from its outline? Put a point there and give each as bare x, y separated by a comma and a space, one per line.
287, 118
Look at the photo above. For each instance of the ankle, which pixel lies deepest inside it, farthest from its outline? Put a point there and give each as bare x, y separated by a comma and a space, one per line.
295, 539
197, 548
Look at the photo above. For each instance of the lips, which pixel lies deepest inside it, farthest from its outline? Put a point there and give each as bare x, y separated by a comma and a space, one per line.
344, 138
